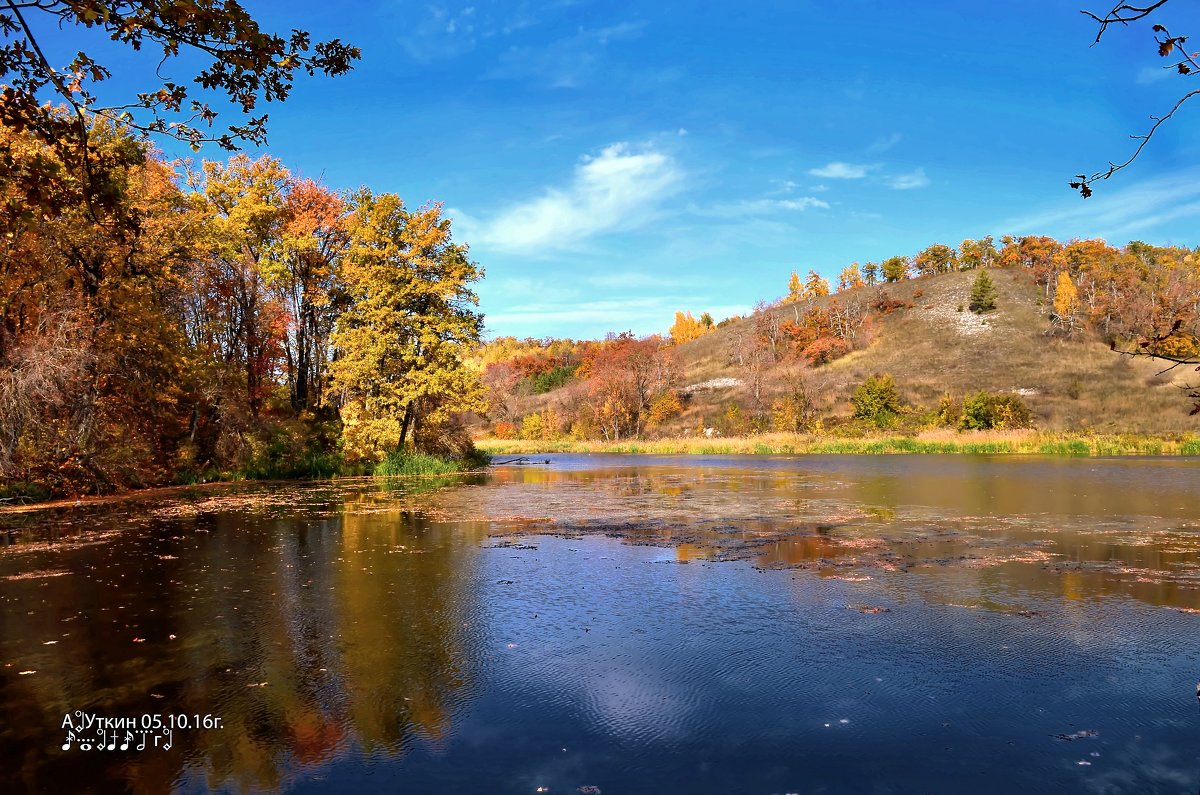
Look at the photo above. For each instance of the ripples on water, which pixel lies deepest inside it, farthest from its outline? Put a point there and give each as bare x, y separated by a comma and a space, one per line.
902, 624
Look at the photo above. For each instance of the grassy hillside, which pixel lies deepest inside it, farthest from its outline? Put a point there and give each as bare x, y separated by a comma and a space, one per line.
934, 347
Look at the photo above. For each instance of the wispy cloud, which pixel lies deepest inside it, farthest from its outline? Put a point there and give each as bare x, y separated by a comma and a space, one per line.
840, 170
884, 143
618, 189
914, 179
1117, 213
567, 63
440, 34
759, 207
1153, 74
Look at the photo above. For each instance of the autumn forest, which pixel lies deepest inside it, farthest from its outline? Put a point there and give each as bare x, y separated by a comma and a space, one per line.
232, 319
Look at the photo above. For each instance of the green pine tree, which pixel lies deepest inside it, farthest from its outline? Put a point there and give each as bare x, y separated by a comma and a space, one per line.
983, 293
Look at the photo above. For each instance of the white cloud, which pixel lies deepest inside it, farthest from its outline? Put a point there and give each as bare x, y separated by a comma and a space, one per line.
915, 179
759, 207
840, 170
818, 188
803, 203
621, 188
1116, 212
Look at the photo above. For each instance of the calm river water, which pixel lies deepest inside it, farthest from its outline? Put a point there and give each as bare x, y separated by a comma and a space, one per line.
616, 624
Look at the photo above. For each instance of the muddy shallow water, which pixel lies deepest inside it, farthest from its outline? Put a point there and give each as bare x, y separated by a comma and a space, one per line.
621, 623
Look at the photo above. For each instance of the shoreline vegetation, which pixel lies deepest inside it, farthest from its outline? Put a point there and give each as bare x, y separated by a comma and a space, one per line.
931, 442
17, 496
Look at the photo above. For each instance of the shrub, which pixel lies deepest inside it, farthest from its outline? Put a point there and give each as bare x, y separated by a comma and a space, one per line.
986, 411
949, 412
532, 426
664, 407
825, 350
504, 430
793, 413
733, 423
877, 400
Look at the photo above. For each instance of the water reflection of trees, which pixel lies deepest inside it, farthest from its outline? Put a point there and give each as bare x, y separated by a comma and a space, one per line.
306, 636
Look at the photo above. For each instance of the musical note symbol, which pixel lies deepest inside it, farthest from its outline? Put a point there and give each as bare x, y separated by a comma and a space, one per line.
125, 745
85, 746
70, 739
167, 745
142, 744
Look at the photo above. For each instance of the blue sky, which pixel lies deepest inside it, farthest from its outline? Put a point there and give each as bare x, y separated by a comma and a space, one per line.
612, 162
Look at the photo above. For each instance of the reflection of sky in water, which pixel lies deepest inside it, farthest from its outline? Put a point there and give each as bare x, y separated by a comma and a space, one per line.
401, 653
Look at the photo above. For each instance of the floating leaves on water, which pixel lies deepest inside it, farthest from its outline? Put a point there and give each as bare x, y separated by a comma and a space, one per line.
588, 789
37, 575
1080, 735
870, 609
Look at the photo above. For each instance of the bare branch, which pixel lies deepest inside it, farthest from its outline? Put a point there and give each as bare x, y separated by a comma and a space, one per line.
1114, 16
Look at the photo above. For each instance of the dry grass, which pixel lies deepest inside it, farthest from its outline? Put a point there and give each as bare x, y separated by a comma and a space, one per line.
939, 441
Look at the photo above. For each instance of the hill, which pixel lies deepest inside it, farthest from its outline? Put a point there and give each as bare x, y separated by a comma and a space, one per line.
932, 345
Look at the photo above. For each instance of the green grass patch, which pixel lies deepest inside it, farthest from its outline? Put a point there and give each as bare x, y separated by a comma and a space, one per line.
409, 463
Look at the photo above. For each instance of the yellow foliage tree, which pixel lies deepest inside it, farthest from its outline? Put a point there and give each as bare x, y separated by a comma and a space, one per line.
411, 322
1066, 302
815, 286
687, 328
795, 289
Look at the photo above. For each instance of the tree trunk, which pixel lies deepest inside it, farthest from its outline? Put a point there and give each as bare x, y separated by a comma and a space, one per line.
408, 418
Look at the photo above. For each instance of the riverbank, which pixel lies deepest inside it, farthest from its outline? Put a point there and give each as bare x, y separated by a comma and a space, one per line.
944, 442
21, 497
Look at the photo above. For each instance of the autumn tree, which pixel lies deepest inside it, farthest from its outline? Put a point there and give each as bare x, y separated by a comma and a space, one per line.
301, 270
624, 376
938, 258
1066, 303
239, 62
687, 328
91, 349
815, 286
977, 253
238, 321
410, 321
795, 288
894, 269
850, 278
